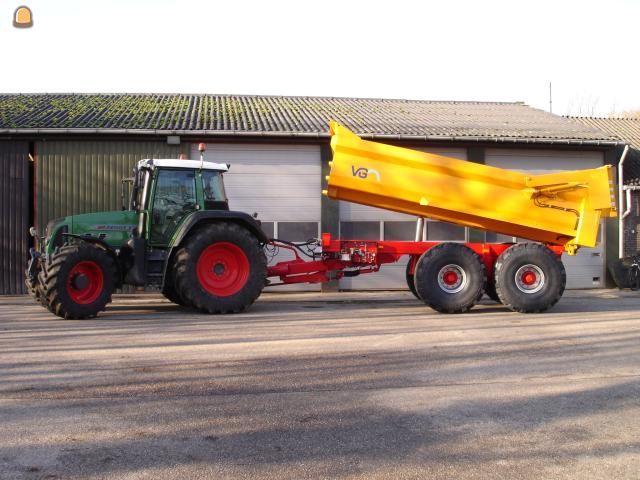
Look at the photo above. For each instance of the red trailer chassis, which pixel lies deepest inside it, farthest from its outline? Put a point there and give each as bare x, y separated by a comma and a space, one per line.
340, 258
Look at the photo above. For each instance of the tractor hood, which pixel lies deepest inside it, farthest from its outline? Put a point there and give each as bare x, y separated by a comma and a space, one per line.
113, 227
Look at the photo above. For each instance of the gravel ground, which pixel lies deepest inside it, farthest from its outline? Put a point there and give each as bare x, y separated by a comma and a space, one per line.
350, 385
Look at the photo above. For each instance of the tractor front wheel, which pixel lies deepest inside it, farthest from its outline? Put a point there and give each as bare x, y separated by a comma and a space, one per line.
79, 281
221, 268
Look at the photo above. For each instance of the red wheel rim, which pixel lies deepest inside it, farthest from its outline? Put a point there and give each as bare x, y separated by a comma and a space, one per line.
85, 282
529, 278
450, 278
222, 269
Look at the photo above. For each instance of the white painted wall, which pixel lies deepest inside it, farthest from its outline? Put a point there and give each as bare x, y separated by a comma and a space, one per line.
279, 182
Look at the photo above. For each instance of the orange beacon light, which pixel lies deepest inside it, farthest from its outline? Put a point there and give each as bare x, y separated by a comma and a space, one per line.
22, 17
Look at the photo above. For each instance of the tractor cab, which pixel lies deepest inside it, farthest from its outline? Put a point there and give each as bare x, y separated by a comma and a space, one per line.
165, 192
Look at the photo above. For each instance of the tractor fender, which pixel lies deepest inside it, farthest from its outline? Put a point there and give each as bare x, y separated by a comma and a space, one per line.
93, 240
105, 246
199, 218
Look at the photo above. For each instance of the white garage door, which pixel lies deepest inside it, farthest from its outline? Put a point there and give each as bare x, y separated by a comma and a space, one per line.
586, 269
367, 223
279, 182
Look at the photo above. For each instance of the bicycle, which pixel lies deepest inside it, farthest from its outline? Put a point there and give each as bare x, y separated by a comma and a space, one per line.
634, 273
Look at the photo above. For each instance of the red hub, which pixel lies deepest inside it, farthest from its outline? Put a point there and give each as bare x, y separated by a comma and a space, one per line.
450, 278
223, 269
85, 282
529, 278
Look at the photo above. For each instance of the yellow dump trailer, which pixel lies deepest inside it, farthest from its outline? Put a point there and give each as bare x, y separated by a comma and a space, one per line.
558, 209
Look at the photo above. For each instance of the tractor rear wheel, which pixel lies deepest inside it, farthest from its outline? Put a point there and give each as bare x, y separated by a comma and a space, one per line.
79, 281
169, 289
529, 278
221, 268
450, 278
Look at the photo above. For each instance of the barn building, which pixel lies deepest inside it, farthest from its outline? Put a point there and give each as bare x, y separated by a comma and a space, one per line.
66, 154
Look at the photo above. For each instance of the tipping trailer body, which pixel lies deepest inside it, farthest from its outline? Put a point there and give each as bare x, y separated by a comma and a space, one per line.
558, 208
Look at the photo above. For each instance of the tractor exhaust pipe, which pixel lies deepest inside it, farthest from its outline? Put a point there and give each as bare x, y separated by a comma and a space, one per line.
201, 148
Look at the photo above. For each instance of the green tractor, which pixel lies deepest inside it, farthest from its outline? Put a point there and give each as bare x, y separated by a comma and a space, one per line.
177, 234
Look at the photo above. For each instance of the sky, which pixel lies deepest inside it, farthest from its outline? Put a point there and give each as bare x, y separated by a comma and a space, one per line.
489, 50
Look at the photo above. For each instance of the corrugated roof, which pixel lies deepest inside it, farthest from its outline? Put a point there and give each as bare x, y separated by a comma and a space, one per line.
287, 116
625, 129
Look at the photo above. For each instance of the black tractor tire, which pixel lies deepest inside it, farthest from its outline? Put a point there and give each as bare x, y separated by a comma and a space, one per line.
169, 289
220, 268
411, 281
32, 288
78, 281
450, 278
41, 288
529, 278
490, 290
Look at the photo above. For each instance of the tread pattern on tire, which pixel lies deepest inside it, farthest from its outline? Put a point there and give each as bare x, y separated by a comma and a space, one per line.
533, 253
411, 281
490, 291
186, 280
32, 290
53, 278
430, 263
169, 289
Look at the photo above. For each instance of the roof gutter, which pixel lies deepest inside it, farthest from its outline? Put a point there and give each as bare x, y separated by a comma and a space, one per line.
319, 135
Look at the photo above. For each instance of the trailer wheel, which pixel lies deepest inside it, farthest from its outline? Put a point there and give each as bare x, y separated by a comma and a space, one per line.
449, 277
411, 281
490, 290
529, 278
78, 282
221, 268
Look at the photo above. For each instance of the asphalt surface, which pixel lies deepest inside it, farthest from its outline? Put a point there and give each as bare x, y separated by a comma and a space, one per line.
355, 386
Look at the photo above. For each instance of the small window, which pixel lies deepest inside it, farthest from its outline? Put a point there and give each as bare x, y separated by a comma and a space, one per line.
267, 228
400, 231
297, 231
360, 230
444, 231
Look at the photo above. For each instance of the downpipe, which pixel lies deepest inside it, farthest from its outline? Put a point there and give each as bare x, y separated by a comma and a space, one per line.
624, 210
